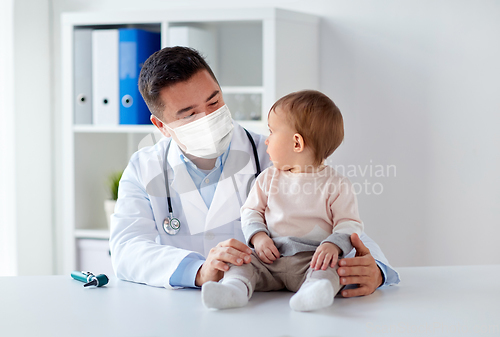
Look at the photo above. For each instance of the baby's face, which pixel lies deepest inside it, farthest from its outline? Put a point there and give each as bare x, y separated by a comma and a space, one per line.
280, 142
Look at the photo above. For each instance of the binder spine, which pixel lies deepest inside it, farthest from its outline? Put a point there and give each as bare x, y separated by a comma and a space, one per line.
105, 83
135, 47
82, 70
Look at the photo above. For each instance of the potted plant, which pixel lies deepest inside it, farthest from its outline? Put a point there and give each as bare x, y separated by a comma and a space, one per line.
109, 204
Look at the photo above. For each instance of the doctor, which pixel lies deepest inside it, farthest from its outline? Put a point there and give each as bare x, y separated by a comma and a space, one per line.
177, 218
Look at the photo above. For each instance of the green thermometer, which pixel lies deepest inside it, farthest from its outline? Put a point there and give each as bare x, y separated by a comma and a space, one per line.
90, 279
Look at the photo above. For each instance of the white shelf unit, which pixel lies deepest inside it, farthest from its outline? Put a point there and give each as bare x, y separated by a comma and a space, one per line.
260, 55
82, 128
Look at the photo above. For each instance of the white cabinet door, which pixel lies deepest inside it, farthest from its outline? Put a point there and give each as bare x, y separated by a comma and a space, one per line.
93, 255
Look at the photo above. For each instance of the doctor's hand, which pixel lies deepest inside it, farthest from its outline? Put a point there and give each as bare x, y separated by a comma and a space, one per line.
265, 248
229, 251
361, 270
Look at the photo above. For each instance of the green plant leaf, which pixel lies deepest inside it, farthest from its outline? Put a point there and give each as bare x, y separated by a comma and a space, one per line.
113, 183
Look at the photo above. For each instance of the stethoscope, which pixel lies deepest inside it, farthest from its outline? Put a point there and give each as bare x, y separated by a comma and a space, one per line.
172, 225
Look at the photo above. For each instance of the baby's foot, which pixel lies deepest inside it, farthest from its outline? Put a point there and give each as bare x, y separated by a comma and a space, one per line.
225, 295
313, 295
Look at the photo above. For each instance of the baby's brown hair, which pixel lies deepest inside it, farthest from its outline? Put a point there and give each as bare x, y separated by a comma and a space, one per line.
316, 118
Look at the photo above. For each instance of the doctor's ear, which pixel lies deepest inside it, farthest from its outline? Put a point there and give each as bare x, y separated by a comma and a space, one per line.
298, 143
159, 125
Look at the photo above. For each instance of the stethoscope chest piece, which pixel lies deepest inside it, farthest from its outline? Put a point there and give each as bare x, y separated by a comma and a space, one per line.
171, 225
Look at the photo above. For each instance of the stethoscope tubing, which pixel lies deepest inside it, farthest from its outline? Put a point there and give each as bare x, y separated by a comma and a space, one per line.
167, 223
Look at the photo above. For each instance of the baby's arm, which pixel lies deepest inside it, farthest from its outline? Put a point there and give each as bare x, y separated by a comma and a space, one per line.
346, 221
253, 221
345, 216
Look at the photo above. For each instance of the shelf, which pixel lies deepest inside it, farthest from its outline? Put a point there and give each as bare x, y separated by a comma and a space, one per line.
242, 90
102, 234
115, 128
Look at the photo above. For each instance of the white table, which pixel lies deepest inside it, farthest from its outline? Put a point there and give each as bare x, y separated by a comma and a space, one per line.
430, 301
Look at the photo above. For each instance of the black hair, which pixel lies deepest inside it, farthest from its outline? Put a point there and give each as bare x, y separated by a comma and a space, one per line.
167, 67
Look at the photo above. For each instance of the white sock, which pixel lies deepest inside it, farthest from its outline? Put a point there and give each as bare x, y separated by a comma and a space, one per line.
313, 295
232, 293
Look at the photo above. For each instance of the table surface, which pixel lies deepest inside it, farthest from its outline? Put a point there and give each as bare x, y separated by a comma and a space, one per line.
429, 301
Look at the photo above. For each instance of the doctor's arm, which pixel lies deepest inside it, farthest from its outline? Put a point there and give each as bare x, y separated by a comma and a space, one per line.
135, 254
368, 268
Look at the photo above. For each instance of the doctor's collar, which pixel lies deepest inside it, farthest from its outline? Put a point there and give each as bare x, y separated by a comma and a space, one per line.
220, 160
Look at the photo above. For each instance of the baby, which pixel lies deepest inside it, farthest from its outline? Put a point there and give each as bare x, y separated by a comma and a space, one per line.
300, 213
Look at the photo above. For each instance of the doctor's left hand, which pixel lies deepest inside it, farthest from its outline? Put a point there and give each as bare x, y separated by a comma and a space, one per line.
361, 270
229, 251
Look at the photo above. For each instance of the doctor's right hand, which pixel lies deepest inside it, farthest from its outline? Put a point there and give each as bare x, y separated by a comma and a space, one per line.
229, 251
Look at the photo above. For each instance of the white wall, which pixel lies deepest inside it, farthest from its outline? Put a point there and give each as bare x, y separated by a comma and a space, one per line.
420, 80
417, 82
33, 132
8, 256
25, 142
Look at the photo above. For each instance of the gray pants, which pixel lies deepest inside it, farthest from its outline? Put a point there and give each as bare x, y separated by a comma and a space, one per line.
288, 272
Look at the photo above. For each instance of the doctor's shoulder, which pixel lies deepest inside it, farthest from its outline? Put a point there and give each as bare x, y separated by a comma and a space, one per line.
149, 157
258, 138
260, 142
148, 150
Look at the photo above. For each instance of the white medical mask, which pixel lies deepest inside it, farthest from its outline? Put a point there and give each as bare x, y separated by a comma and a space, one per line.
207, 137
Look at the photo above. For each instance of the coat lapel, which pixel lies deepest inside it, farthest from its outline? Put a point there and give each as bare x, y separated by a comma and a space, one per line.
231, 191
193, 206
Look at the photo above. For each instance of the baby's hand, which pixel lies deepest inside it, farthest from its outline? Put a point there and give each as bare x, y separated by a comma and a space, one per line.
265, 248
325, 255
